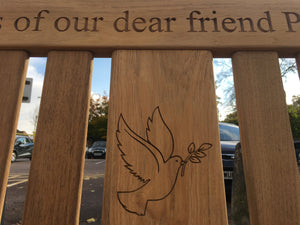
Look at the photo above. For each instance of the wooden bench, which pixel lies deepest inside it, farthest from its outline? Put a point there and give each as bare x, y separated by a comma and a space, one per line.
163, 159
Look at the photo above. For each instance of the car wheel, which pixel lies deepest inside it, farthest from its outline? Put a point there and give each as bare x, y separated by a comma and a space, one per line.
13, 157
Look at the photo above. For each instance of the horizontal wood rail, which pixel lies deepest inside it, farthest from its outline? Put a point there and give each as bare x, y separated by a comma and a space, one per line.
103, 26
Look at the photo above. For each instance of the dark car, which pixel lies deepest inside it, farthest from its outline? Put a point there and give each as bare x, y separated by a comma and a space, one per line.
23, 148
297, 148
229, 137
97, 150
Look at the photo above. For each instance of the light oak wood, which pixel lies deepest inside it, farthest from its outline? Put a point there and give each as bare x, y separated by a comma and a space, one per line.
55, 182
267, 144
41, 25
181, 84
13, 67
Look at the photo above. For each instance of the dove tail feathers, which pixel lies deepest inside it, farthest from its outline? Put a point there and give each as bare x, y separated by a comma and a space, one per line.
133, 202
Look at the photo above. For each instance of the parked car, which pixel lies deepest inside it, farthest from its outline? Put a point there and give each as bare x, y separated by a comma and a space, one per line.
230, 136
22, 148
97, 150
297, 148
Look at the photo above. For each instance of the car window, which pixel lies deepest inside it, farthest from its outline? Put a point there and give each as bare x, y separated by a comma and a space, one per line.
229, 132
20, 140
99, 144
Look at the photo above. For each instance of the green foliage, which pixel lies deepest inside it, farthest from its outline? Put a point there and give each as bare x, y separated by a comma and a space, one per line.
97, 128
98, 117
232, 118
294, 114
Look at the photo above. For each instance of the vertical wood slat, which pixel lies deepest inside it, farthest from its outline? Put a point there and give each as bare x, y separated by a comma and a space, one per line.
181, 84
13, 68
55, 183
267, 144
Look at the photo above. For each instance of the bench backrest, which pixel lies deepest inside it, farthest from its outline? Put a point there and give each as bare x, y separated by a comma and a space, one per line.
163, 159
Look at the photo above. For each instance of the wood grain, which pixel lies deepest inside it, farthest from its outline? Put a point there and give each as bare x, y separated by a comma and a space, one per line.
181, 84
55, 182
13, 67
41, 25
267, 144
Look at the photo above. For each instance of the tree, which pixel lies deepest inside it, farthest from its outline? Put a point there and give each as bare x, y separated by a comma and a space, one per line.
287, 66
294, 114
224, 78
98, 106
98, 117
232, 118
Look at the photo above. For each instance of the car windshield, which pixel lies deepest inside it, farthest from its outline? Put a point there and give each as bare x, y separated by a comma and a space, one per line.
99, 144
229, 132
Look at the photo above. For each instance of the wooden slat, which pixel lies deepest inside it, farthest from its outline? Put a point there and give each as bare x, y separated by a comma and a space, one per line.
13, 67
267, 144
176, 90
222, 26
55, 182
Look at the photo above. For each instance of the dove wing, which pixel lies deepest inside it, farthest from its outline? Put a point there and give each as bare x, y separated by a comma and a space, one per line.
133, 149
159, 134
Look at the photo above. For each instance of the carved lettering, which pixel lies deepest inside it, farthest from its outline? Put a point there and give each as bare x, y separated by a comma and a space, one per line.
121, 23
156, 25
215, 20
38, 19
139, 20
141, 24
229, 24
197, 22
96, 19
291, 18
250, 22
228, 21
169, 20
191, 19
85, 24
267, 21
62, 24
22, 23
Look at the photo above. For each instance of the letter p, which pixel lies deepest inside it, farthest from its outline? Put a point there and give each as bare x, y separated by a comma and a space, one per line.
291, 18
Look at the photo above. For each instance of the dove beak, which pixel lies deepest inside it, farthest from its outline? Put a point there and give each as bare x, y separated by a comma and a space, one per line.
182, 164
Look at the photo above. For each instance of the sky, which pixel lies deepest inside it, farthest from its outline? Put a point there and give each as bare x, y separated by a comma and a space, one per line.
101, 85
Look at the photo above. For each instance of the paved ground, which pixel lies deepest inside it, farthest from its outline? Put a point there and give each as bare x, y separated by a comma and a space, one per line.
91, 206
